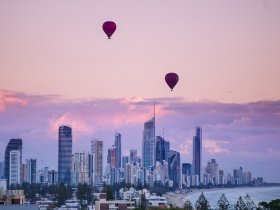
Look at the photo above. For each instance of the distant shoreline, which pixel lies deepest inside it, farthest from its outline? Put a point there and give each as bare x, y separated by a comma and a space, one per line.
177, 199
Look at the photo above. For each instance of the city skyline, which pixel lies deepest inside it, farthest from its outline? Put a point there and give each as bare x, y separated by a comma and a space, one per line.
58, 68
220, 140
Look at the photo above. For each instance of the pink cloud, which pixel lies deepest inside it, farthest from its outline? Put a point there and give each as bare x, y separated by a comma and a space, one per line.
186, 147
7, 98
213, 146
79, 126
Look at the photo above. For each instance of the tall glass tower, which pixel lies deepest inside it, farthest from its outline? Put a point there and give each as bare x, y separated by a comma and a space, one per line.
118, 145
197, 153
148, 144
14, 144
64, 154
162, 149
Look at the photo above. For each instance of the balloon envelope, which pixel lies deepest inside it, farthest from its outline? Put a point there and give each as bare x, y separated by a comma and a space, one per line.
171, 79
109, 28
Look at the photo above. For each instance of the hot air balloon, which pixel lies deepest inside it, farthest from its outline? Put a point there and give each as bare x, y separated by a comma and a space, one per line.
109, 28
171, 79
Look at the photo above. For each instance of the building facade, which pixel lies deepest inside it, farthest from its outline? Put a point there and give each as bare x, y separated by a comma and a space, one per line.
118, 145
64, 154
15, 167
31, 167
174, 170
162, 149
97, 151
14, 144
80, 168
148, 144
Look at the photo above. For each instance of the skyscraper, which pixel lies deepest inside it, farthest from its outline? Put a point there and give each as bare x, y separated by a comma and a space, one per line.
162, 149
133, 156
14, 144
97, 151
197, 153
148, 144
174, 170
64, 154
212, 170
30, 171
118, 145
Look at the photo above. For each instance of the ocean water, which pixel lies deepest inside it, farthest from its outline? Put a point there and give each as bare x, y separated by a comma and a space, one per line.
257, 194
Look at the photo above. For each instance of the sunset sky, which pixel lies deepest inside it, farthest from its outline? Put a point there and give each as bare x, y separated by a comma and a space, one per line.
58, 67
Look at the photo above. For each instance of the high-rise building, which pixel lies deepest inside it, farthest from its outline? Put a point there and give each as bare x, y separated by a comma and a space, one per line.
111, 158
240, 175
30, 171
221, 177
2, 167
97, 151
118, 145
162, 149
90, 167
133, 157
235, 177
125, 160
187, 169
64, 154
148, 144
128, 173
212, 170
197, 154
15, 166
80, 168
52, 177
174, 170
14, 144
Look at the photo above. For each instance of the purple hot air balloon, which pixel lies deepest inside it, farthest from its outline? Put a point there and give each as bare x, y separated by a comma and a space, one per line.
171, 79
109, 28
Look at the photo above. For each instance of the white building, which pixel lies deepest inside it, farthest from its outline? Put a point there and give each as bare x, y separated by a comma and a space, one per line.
80, 168
195, 180
154, 200
14, 167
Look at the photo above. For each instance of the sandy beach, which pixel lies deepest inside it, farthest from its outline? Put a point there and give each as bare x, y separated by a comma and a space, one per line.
178, 199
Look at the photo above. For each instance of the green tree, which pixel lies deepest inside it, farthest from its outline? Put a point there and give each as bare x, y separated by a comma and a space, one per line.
202, 203
89, 194
143, 204
250, 205
61, 194
188, 205
263, 206
274, 204
109, 192
223, 203
240, 204
81, 193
